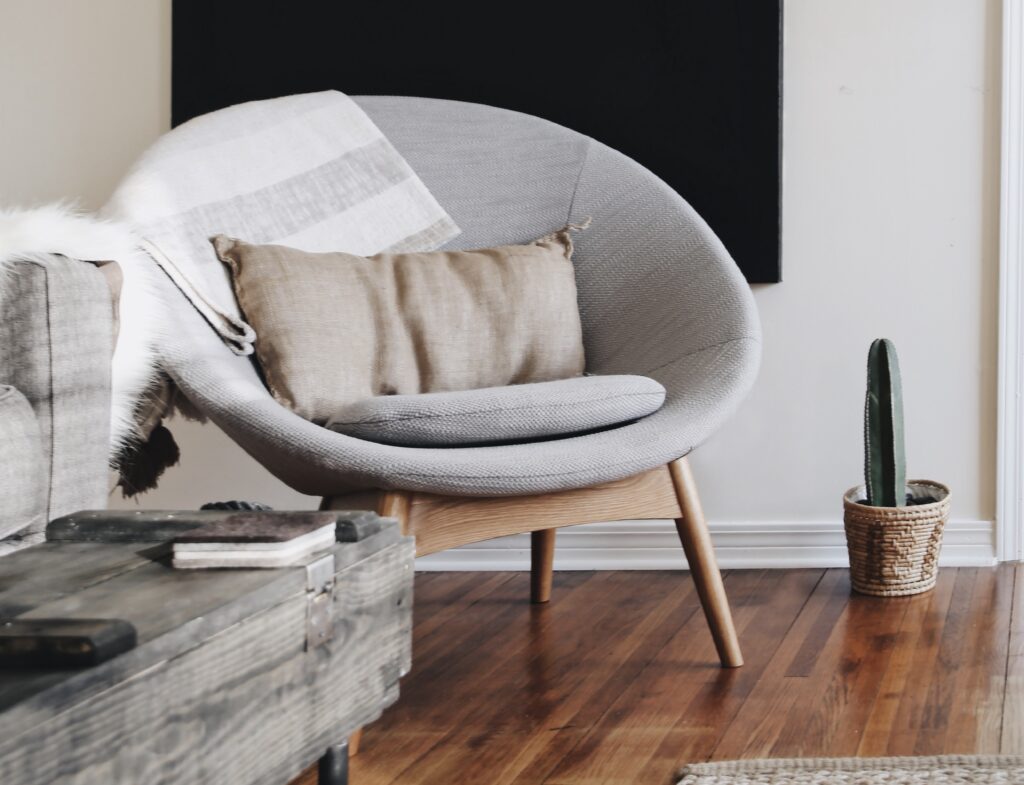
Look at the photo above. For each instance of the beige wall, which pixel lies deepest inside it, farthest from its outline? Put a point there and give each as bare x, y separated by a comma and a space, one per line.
84, 88
890, 228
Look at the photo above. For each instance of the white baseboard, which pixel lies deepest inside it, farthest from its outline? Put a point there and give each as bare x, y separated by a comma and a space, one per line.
653, 545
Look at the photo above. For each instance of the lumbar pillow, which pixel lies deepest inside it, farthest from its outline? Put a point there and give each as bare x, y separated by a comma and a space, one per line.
335, 328
501, 414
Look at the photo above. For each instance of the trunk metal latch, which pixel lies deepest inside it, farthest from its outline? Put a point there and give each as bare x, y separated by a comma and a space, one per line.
319, 601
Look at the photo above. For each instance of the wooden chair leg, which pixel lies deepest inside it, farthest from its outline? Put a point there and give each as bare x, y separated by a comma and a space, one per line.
353, 742
542, 561
389, 504
693, 532
395, 504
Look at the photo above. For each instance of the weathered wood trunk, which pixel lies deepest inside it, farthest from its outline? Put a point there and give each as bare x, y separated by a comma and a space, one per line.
239, 676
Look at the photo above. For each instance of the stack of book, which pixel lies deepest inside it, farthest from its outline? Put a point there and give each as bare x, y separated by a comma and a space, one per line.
254, 539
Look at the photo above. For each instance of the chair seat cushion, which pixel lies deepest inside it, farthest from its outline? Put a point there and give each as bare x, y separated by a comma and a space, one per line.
522, 412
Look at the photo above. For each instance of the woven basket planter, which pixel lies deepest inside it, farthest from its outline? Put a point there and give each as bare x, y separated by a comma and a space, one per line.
894, 551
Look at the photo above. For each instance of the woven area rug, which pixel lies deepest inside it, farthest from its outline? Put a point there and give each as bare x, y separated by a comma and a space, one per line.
945, 770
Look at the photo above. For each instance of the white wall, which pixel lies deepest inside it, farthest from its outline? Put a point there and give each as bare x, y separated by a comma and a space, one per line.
890, 228
84, 88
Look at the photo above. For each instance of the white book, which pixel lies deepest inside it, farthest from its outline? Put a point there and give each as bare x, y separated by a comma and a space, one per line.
254, 543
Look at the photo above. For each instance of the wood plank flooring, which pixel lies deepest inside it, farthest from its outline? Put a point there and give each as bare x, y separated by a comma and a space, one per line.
616, 679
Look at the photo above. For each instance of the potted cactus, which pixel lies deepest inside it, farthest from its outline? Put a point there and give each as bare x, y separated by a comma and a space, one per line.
893, 527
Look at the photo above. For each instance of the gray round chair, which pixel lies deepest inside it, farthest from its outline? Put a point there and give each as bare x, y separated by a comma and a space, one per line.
659, 296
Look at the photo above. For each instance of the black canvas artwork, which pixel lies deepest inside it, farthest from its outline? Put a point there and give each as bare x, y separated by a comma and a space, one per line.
691, 88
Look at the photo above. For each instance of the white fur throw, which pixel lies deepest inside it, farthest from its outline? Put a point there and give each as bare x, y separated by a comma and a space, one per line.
33, 234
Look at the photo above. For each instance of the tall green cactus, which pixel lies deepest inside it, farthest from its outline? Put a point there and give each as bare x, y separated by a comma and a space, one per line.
885, 462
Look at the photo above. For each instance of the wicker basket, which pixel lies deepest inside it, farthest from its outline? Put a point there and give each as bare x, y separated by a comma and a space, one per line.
894, 551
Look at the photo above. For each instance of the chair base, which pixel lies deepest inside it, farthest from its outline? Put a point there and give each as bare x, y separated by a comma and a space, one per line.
542, 564
442, 522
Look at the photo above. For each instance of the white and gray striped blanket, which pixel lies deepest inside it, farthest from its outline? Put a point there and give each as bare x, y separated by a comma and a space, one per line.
310, 171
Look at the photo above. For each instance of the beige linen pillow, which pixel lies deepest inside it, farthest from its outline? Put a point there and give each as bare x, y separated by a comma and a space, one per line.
334, 328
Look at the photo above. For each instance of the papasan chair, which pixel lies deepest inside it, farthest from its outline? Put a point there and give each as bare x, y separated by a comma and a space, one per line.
659, 296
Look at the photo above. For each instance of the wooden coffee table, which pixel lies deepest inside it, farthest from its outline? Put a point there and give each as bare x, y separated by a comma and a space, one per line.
238, 676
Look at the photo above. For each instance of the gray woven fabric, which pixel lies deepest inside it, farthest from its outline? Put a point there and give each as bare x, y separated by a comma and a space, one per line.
501, 414
659, 297
309, 171
933, 770
22, 469
56, 339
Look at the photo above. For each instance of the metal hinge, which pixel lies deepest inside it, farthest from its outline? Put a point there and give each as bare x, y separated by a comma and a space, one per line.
319, 601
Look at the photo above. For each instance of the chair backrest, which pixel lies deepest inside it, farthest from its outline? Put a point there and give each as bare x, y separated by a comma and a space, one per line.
659, 296
509, 177
503, 176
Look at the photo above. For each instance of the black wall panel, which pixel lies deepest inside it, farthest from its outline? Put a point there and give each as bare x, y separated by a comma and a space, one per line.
691, 88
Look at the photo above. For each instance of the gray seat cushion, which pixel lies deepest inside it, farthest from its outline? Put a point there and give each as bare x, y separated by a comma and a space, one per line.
501, 414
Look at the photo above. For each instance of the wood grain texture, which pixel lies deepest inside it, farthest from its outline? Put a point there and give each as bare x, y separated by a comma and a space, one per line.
542, 564
670, 491
158, 526
395, 504
172, 610
49, 571
1012, 735
388, 504
613, 681
700, 555
246, 704
442, 522
354, 740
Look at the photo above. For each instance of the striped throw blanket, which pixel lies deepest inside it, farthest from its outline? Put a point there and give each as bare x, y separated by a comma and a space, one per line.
310, 171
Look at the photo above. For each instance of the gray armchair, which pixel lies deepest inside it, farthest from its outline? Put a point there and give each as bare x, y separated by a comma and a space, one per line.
56, 340
659, 296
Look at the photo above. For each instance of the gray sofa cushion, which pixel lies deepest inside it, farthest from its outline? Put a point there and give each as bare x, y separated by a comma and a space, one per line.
22, 469
501, 414
56, 341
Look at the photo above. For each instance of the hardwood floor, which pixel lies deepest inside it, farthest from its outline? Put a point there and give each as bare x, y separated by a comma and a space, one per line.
616, 680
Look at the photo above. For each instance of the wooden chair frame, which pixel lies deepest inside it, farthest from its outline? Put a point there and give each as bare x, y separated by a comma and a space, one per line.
442, 522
